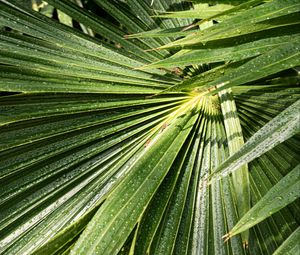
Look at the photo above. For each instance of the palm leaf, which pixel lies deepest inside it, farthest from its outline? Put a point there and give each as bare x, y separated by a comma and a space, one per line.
285, 191
290, 245
102, 155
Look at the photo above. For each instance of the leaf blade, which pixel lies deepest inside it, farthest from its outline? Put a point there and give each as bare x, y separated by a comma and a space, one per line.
285, 192
279, 129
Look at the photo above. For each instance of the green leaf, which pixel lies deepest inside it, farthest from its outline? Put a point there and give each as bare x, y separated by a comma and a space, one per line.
165, 239
97, 155
119, 214
199, 12
291, 245
236, 7
276, 60
160, 33
151, 220
23, 107
251, 20
200, 83
279, 196
279, 129
240, 177
111, 32
235, 53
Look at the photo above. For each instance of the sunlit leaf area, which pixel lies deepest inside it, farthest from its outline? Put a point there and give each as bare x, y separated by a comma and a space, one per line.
149, 127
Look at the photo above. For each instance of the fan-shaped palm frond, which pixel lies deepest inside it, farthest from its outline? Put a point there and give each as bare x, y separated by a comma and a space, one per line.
149, 127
